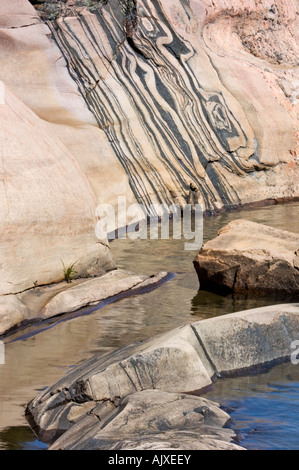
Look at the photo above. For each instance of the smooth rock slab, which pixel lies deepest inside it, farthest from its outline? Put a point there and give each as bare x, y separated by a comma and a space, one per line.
184, 360
250, 258
249, 341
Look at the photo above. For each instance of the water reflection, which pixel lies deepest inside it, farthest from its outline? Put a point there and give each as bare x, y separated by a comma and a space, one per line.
207, 304
40, 360
265, 408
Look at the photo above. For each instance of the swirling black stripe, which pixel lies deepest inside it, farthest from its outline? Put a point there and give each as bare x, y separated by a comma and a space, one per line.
186, 128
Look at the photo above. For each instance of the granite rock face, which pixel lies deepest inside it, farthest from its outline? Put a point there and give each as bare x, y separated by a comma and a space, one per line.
187, 99
157, 101
158, 97
137, 384
250, 258
47, 206
44, 302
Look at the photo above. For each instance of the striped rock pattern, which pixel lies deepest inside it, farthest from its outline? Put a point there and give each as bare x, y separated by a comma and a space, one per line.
153, 100
151, 73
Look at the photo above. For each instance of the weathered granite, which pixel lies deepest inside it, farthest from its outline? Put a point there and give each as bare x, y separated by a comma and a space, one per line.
151, 100
148, 420
44, 302
47, 207
185, 360
250, 258
157, 97
249, 341
13, 312
92, 291
194, 107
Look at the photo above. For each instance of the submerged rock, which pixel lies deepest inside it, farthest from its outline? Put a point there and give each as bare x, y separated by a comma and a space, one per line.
250, 258
111, 387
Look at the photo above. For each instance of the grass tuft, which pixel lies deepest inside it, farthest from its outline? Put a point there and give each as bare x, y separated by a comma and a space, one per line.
69, 272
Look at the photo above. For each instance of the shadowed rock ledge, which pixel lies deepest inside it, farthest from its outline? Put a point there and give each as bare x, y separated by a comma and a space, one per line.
137, 384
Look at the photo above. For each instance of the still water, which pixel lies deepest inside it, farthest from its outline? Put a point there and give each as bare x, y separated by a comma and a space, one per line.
265, 407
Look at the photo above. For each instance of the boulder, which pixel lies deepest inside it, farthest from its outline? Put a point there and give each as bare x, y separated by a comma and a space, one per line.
111, 387
149, 420
44, 302
250, 258
250, 341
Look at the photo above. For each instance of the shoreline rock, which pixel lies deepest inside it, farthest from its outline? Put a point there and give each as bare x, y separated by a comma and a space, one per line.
147, 420
47, 209
250, 258
182, 361
44, 302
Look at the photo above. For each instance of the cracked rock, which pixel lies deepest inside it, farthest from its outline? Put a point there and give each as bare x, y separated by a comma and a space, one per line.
250, 258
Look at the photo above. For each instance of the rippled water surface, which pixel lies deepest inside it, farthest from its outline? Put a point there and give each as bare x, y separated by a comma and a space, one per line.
39, 358
265, 408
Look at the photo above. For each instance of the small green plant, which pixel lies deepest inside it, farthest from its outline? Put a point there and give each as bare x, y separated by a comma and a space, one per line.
69, 272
